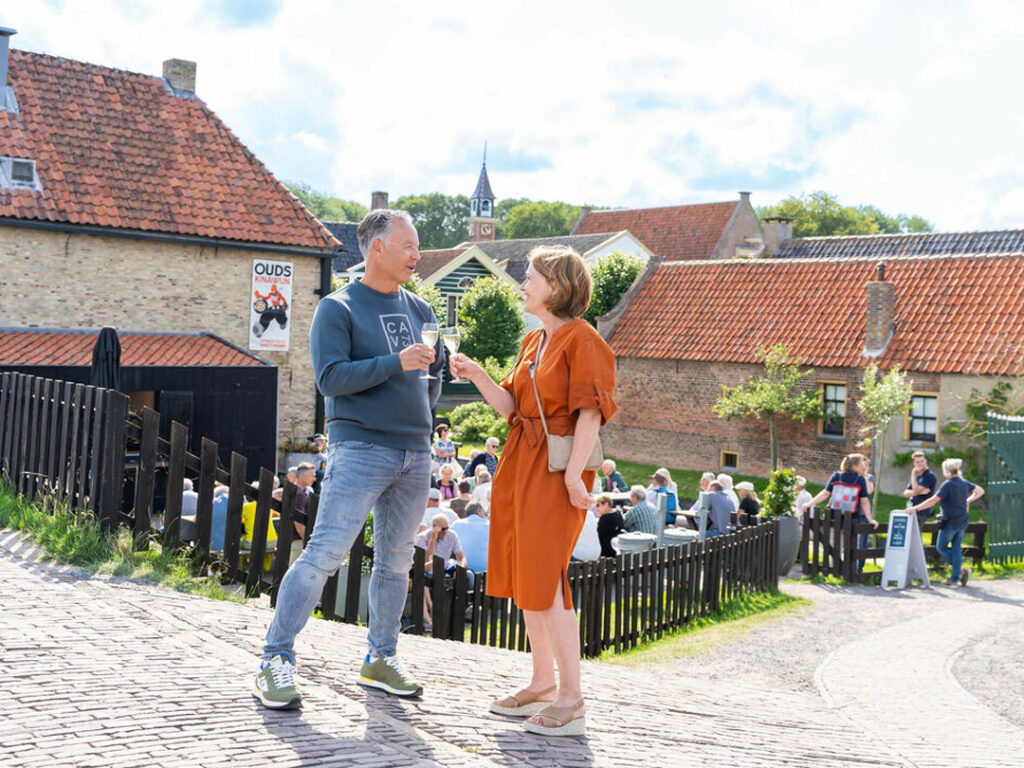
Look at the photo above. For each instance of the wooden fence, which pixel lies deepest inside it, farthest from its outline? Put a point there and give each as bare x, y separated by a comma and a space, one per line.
65, 441
829, 545
72, 441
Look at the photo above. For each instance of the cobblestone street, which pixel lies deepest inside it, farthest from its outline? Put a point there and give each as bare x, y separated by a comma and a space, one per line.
101, 671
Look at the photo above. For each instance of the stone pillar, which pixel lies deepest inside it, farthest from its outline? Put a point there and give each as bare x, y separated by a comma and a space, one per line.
181, 76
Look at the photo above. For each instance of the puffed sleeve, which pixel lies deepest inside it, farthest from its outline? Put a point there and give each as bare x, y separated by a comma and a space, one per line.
591, 374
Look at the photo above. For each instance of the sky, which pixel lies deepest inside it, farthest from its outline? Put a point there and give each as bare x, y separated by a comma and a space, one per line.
914, 107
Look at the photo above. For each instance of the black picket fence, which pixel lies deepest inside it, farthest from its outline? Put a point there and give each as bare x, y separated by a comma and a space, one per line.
72, 441
829, 544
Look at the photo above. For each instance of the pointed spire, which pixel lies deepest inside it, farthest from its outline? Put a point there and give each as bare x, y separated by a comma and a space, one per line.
483, 192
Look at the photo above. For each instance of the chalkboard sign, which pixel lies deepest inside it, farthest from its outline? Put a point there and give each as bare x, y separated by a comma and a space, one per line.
904, 552
898, 534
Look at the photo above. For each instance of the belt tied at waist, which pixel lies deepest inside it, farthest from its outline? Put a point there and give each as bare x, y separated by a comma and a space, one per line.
533, 430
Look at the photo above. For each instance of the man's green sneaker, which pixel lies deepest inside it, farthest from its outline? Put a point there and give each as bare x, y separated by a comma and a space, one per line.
275, 684
388, 674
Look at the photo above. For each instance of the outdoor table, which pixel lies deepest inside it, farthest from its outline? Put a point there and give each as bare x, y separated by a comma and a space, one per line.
619, 498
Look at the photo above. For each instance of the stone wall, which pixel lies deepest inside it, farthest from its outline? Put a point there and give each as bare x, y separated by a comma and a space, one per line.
60, 280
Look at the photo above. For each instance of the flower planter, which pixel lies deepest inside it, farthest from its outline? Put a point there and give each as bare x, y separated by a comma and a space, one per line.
789, 543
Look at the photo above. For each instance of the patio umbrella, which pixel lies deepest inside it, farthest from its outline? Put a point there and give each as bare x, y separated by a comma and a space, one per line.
106, 360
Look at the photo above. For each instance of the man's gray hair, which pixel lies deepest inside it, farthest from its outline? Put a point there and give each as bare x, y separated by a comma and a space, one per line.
709, 477
638, 492
376, 225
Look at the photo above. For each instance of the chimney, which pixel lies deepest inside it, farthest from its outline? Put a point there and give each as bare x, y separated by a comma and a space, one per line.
777, 230
180, 76
378, 201
745, 197
881, 314
5, 46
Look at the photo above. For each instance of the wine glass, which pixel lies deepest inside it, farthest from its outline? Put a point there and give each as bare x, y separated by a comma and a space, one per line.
429, 335
451, 338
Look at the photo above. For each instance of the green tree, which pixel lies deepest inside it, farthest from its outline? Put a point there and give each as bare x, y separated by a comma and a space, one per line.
431, 295
538, 219
440, 219
492, 320
820, 214
613, 274
880, 402
772, 396
780, 495
325, 207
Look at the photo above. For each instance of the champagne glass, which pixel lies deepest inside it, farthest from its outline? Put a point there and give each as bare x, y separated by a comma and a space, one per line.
429, 335
451, 338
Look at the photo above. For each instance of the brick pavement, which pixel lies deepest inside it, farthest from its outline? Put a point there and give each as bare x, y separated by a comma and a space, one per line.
100, 671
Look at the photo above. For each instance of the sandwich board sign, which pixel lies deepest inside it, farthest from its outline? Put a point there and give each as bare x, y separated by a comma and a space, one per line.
904, 552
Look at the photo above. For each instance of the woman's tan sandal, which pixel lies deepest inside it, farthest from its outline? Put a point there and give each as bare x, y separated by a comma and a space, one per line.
558, 721
521, 704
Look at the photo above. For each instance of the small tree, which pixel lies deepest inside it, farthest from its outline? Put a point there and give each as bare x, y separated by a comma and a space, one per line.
780, 495
771, 396
613, 274
431, 295
492, 320
881, 402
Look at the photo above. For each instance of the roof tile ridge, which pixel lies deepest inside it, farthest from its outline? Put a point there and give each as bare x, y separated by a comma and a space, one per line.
820, 238
665, 207
61, 60
846, 259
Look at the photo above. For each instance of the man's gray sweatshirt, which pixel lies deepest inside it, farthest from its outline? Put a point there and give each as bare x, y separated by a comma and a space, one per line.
355, 339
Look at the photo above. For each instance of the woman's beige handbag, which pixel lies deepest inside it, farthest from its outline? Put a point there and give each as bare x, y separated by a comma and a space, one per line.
560, 446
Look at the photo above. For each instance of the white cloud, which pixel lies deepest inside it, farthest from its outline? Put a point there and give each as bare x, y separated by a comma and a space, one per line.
643, 104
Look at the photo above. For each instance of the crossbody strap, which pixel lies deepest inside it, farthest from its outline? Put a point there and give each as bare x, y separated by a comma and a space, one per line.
533, 379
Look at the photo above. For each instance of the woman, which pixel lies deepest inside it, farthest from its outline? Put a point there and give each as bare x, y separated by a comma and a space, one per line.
537, 515
444, 448
609, 525
750, 505
446, 485
848, 491
954, 497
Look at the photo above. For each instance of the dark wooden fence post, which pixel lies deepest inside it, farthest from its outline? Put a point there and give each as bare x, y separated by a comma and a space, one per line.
110, 497
145, 482
261, 525
204, 487
233, 523
175, 485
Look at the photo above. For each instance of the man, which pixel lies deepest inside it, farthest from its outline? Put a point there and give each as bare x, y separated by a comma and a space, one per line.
443, 542
642, 517
433, 507
473, 533
369, 363
489, 458
613, 481
482, 492
459, 503
921, 486
319, 445
721, 510
305, 477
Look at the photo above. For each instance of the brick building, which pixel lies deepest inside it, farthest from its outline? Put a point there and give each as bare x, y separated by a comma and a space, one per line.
126, 202
954, 323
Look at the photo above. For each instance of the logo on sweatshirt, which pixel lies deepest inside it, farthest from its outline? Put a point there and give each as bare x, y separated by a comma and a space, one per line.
398, 331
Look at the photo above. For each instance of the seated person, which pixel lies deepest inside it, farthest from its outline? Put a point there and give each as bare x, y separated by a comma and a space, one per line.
489, 458
441, 542
474, 532
721, 510
248, 526
444, 449
588, 546
482, 492
447, 485
642, 517
609, 525
319, 445
661, 482
220, 517
189, 504
459, 503
750, 505
433, 508
725, 480
803, 496
611, 479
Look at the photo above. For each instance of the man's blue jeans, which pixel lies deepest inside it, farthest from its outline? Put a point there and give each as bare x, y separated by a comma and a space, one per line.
948, 545
360, 477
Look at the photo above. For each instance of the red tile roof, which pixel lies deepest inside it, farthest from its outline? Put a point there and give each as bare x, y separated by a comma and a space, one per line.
431, 261
45, 346
117, 149
953, 314
677, 232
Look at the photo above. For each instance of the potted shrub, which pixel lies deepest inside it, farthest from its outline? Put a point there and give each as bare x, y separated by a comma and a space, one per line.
297, 450
780, 501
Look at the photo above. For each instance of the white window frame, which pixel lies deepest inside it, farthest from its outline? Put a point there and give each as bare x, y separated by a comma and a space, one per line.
909, 433
7, 174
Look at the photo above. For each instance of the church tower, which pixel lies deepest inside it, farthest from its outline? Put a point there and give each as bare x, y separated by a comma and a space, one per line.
481, 208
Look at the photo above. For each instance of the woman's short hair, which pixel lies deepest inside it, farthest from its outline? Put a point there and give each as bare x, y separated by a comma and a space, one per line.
851, 461
952, 466
566, 270
603, 499
447, 467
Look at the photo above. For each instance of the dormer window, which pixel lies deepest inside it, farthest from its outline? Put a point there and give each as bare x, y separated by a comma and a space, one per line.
8, 102
485, 207
18, 173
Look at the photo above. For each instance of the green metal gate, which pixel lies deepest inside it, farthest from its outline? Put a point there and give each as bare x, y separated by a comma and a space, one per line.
1006, 487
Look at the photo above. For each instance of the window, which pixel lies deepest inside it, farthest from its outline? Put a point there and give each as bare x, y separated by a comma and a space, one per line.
485, 207
729, 461
18, 173
472, 207
8, 102
466, 283
924, 417
834, 404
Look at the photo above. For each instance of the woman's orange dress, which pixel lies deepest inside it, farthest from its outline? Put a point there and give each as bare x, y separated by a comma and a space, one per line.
534, 526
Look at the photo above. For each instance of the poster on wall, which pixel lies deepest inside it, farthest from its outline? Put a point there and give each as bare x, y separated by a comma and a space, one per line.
270, 305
